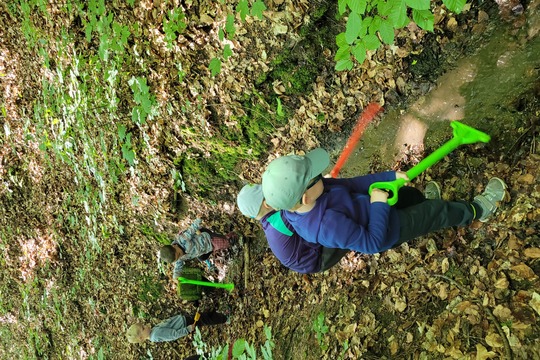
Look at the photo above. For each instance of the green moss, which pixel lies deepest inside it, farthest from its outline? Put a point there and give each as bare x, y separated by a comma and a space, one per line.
298, 67
296, 79
261, 78
151, 233
150, 289
203, 174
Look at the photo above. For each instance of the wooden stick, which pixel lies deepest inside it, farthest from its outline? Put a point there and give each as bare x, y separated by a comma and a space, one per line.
246, 265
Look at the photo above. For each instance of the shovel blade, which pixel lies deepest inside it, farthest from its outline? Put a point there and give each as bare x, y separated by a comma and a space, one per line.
467, 134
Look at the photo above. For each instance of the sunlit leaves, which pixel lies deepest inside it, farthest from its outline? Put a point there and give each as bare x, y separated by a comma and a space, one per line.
418, 4
257, 9
455, 5
387, 32
173, 25
238, 347
142, 97
359, 52
342, 6
371, 42
215, 66
370, 21
229, 26
127, 149
345, 64
398, 13
357, 6
424, 19
353, 28
227, 52
243, 9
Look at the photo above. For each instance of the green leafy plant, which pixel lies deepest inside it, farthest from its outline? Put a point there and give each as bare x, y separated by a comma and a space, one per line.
146, 102
243, 10
174, 25
241, 349
127, 148
320, 329
373, 22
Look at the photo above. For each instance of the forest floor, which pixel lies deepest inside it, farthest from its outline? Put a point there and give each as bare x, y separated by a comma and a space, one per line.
89, 191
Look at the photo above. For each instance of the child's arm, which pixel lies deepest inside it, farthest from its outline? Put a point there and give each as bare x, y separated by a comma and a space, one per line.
178, 266
170, 329
187, 234
163, 333
360, 184
369, 239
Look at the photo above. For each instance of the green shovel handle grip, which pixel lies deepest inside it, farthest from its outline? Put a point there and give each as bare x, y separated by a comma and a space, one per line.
390, 186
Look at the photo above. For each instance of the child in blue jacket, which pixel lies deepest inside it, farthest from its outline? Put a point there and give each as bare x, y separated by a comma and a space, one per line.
339, 213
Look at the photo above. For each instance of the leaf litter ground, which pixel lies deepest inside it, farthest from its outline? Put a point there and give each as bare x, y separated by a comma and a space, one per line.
460, 293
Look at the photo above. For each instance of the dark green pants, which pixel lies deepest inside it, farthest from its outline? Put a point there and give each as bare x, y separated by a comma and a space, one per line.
330, 257
432, 215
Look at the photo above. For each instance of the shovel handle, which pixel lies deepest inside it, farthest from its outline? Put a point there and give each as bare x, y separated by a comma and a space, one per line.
463, 134
229, 286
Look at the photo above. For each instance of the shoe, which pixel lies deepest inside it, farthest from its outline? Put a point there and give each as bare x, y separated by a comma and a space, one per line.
432, 191
494, 193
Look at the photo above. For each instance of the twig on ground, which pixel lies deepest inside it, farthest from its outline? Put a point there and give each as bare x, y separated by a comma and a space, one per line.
507, 349
487, 311
246, 265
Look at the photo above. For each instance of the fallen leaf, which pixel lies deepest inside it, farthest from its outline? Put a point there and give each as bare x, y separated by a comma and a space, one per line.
532, 253
482, 353
524, 272
535, 302
400, 305
502, 283
503, 313
526, 179
494, 340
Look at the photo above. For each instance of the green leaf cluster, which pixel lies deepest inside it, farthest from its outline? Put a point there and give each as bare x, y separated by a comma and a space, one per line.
241, 349
242, 9
320, 328
173, 25
146, 102
371, 23
112, 35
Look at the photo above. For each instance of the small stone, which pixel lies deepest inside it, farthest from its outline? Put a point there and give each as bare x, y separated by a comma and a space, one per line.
452, 24
482, 16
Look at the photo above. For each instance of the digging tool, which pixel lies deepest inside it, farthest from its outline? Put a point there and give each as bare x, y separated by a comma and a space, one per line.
228, 287
196, 318
463, 134
365, 118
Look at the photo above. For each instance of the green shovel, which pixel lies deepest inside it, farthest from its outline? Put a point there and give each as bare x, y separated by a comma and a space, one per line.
183, 280
463, 134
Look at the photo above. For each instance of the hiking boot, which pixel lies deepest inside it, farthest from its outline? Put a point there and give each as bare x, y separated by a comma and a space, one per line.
494, 193
432, 191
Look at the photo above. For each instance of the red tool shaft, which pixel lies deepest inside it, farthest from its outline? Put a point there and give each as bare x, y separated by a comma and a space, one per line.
363, 120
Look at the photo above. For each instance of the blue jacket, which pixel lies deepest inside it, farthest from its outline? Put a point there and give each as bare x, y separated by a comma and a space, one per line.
194, 243
344, 218
291, 250
170, 329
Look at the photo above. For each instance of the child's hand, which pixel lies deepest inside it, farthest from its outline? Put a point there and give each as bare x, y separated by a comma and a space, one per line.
191, 328
401, 175
378, 195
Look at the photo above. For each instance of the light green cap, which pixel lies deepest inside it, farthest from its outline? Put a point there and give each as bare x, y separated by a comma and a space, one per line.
286, 178
250, 199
